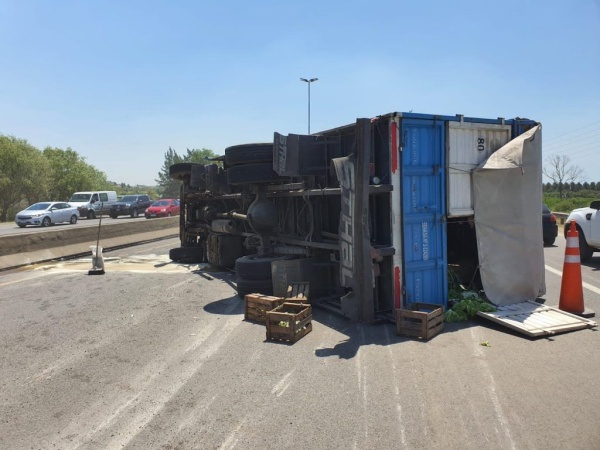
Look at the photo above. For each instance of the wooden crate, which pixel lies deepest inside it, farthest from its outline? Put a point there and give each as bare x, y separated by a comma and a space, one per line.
257, 306
289, 322
422, 320
297, 292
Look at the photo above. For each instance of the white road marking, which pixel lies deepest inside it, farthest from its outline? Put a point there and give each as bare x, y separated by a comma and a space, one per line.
584, 284
502, 420
282, 385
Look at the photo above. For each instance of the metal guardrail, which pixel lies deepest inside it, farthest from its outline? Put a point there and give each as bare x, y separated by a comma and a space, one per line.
27, 248
561, 217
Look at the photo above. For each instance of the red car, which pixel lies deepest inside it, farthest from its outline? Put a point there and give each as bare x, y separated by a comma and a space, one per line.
165, 207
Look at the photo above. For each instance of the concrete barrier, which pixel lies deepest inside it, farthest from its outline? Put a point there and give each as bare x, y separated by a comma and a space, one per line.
27, 248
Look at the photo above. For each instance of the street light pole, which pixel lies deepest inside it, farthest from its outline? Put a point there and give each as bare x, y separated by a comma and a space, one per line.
308, 81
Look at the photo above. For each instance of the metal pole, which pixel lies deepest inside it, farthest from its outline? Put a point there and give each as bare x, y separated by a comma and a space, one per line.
309, 108
308, 81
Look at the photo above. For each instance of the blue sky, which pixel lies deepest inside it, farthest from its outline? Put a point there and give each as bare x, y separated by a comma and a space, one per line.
121, 81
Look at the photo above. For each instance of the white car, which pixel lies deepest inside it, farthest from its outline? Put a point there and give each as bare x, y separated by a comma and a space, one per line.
44, 214
588, 226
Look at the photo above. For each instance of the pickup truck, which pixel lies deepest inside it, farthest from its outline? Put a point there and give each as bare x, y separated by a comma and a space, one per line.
587, 221
130, 205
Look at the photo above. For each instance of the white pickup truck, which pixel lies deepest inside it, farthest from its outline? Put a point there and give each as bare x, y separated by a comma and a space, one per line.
588, 226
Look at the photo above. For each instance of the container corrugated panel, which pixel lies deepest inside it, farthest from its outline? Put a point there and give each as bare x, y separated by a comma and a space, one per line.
423, 211
469, 144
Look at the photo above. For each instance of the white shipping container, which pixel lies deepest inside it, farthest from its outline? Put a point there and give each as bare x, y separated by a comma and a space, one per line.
469, 144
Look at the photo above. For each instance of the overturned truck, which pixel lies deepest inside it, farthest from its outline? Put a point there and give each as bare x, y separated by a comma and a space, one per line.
373, 213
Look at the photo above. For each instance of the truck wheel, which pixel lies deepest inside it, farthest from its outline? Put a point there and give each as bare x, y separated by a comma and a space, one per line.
245, 287
254, 267
180, 171
212, 174
549, 242
252, 173
198, 176
249, 154
91, 214
113, 216
187, 254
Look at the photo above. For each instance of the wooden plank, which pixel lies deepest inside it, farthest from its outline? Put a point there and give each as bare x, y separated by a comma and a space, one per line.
534, 319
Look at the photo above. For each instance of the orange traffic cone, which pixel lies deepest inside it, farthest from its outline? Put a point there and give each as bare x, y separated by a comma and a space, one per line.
571, 288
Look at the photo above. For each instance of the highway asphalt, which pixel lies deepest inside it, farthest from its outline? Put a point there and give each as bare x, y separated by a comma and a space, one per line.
157, 355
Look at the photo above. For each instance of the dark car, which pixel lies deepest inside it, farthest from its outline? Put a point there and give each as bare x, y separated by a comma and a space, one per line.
550, 227
130, 205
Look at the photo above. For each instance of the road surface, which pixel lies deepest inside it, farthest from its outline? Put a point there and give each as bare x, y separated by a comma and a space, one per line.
156, 355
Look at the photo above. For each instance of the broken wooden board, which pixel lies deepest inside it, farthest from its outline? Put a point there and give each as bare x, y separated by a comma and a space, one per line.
535, 319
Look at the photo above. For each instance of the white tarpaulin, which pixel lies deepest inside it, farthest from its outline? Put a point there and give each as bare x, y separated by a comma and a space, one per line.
507, 194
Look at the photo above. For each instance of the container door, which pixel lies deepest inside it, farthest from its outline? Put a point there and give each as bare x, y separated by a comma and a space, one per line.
423, 211
469, 144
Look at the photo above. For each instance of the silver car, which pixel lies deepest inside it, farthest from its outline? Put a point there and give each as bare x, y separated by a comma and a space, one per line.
44, 214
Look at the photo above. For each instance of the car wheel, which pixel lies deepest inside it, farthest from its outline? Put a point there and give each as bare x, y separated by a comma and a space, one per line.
135, 213
585, 251
245, 287
73, 220
169, 214
91, 214
113, 216
187, 254
46, 222
549, 242
21, 226
249, 154
252, 173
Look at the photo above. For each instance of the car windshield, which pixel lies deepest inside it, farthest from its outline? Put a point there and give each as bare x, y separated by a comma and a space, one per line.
79, 198
161, 203
129, 198
39, 206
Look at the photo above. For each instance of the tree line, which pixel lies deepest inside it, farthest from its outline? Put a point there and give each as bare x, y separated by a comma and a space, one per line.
572, 187
29, 175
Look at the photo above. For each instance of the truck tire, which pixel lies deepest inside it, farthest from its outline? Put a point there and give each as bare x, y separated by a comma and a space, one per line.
245, 287
198, 176
254, 267
212, 178
91, 214
187, 254
249, 154
180, 171
252, 173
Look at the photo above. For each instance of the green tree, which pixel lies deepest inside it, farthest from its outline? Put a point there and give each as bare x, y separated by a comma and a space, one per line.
71, 173
167, 187
23, 174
